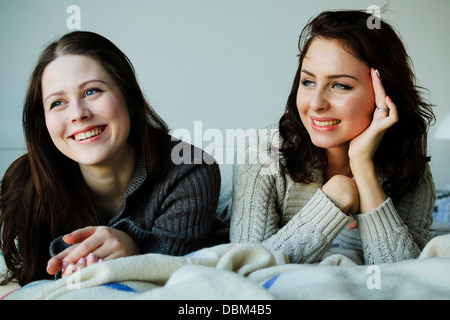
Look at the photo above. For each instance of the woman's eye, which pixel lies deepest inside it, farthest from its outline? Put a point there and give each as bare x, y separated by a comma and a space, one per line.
56, 104
307, 83
341, 86
90, 92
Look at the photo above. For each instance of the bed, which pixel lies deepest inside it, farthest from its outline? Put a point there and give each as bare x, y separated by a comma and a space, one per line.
249, 271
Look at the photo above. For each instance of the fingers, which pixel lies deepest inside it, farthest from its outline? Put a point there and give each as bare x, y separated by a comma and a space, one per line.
56, 263
83, 249
53, 266
75, 252
92, 259
72, 268
385, 107
92, 243
82, 263
392, 109
378, 88
89, 240
353, 225
380, 93
79, 235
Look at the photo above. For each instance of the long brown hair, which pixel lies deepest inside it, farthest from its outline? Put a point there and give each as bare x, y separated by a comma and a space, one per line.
402, 154
43, 194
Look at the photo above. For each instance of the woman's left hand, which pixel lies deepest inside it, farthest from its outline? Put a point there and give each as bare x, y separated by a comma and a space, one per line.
363, 147
91, 244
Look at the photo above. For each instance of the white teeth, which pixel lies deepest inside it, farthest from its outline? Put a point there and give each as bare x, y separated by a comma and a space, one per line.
326, 123
88, 134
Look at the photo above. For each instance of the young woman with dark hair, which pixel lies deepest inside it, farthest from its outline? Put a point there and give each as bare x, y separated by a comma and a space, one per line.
352, 152
99, 180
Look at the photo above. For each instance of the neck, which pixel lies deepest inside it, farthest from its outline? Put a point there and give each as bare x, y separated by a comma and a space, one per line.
109, 181
338, 162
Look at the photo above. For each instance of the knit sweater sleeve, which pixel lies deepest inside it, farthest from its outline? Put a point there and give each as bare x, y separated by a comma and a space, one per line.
258, 192
398, 229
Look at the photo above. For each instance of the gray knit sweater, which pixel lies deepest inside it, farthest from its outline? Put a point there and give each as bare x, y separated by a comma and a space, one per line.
173, 216
270, 208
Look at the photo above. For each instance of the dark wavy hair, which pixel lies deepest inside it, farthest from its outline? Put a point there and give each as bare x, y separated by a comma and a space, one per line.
43, 194
401, 156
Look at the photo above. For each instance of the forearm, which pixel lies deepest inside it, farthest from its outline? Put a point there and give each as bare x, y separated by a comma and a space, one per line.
309, 233
305, 238
371, 193
187, 210
396, 231
385, 237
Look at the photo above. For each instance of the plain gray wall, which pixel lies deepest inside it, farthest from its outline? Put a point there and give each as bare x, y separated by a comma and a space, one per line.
226, 63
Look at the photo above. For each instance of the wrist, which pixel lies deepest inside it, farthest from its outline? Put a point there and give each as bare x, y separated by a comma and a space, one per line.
371, 193
363, 166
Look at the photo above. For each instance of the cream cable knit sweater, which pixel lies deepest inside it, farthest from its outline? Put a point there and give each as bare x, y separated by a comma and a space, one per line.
269, 208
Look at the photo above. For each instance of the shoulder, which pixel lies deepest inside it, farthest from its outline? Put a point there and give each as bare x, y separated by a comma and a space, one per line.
183, 153
259, 148
424, 190
257, 166
186, 161
426, 185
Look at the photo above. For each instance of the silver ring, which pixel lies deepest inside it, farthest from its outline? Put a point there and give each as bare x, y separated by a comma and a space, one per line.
383, 110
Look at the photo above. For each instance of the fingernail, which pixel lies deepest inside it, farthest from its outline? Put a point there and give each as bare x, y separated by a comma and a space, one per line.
389, 98
64, 264
91, 257
378, 73
64, 238
71, 268
82, 261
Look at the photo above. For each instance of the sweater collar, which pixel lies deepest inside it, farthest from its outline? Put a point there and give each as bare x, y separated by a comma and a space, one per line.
138, 177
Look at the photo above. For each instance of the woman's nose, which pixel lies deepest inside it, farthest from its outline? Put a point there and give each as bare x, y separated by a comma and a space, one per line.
319, 100
80, 111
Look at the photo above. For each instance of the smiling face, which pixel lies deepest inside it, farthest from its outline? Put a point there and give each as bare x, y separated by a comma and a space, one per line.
335, 98
85, 111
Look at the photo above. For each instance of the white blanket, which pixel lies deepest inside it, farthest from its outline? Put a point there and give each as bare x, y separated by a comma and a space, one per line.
248, 271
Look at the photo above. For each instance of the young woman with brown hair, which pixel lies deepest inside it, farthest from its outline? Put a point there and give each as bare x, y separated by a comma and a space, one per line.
352, 146
99, 180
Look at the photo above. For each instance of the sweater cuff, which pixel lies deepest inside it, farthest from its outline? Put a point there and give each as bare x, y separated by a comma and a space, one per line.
57, 246
325, 215
379, 222
146, 240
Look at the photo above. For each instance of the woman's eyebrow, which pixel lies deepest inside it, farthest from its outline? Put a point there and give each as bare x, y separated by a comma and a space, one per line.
81, 85
57, 93
334, 76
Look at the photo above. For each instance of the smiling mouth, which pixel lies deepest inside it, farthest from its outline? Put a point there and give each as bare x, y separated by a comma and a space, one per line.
326, 123
89, 134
